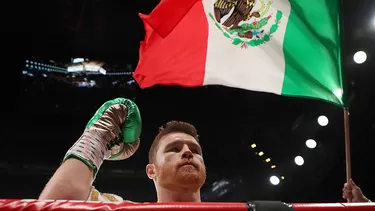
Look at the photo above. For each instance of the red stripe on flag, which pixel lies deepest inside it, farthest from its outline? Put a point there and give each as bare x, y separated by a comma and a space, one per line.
179, 58
174, 10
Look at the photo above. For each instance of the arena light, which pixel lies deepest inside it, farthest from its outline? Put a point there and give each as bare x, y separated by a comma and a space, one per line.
311, 143
88, 68
360, 57
77, 68
253, 146
261, 153
78, 60
274, 180
323, 121
299, 160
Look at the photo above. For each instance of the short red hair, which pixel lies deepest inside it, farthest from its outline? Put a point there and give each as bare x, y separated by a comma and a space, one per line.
170, 127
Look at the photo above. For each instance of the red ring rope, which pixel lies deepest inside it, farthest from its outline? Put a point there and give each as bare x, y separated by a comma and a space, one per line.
65, 205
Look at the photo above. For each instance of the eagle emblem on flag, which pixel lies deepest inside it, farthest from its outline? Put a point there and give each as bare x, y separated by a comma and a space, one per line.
246, 22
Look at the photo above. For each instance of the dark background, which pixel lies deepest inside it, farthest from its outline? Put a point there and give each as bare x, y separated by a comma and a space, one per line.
50, 114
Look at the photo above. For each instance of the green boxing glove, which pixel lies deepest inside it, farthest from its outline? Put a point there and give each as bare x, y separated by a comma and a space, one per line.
111, 134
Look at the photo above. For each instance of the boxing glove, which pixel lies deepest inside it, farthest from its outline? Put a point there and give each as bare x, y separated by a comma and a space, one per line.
111, 134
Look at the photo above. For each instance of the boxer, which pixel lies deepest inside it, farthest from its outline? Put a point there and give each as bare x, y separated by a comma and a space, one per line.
176, 163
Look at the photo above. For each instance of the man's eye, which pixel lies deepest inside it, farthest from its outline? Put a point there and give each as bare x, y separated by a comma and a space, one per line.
175, 149
195, 151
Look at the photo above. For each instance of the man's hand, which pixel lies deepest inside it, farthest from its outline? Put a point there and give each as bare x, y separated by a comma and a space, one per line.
352, 193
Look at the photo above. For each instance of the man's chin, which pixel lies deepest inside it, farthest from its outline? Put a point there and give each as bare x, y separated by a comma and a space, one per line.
190, 178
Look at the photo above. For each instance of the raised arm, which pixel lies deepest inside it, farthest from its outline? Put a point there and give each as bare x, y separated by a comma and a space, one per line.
111, 134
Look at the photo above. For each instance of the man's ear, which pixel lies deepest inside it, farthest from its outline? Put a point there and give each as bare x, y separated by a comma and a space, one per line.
150, 171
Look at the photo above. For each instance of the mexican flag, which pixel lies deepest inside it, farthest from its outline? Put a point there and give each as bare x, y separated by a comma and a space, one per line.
285, 47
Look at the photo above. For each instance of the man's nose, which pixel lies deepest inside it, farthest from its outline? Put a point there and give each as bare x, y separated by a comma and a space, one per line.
187, 154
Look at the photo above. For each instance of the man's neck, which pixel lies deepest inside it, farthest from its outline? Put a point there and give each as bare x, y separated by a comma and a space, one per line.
181, 195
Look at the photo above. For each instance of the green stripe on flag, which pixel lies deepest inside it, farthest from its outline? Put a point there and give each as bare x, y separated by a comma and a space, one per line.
312, 50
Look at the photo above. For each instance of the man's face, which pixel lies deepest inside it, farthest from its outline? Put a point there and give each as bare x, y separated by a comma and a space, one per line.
179, 162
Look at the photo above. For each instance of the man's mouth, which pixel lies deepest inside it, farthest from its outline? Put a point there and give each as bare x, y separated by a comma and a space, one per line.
189, 164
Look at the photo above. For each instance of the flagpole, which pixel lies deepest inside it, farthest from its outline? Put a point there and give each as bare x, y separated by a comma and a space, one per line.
347, 145
345, 109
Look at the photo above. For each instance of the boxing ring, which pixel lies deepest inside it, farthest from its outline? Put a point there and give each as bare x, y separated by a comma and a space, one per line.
65, 205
